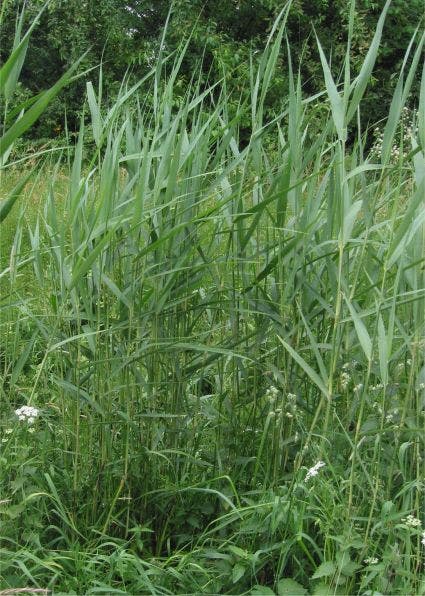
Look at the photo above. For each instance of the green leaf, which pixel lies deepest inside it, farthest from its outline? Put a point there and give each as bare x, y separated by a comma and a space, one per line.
85, 264
421, 111
400, 96
399, 240
8, 84
238, 571
321, 590
383, 350
262, 591
349, 568
239, 552
362, 332
325, 569
9, 72
35, 111
306, 367
367, 66
349, 220
95, 114
387, 509
336, 101
346, 566
290, 587
23, 358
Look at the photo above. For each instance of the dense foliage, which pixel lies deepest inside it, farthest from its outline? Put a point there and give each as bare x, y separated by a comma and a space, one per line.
224, 34
212, 332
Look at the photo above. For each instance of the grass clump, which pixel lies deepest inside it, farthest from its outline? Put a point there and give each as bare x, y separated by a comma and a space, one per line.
225, 349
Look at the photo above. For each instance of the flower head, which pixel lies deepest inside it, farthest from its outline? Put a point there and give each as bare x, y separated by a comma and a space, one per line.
314, 470
345, 380
27, 414
411, 521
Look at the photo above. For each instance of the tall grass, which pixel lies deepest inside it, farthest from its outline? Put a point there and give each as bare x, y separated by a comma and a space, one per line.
199, 323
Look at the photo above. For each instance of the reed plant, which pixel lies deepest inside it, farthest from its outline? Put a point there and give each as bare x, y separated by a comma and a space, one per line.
219, 347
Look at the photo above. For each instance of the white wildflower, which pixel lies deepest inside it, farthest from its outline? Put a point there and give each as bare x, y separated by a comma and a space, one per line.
314, 470
371, 561
27, 414
411, 521
272, 393
345, 380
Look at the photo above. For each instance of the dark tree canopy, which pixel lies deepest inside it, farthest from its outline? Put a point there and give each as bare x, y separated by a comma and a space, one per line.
126, 35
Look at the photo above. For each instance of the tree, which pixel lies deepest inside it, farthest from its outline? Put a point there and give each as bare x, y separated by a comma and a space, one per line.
125, 35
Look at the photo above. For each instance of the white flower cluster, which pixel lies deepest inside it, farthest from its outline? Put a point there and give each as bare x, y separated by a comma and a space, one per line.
345, 380
314, 470
290, 410
407, 130
390, 417
272, 394
377, 407
423, 538
371, 561
291, 405
8, 431
377, 387
411, 521
27, 414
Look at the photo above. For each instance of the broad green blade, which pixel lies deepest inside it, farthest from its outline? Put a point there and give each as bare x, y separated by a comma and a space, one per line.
363, 78
95, 114
35, 111
361, 330
336, 101
9, 72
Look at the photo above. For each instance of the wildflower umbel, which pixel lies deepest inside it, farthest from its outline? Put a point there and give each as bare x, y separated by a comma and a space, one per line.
345, 380
27, 414
314, 470
411, 521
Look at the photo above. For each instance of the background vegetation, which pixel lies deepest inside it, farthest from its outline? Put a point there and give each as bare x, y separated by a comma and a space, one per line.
226, 34
212, 315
